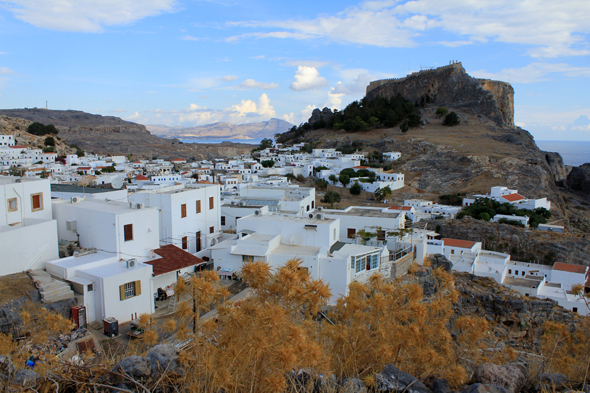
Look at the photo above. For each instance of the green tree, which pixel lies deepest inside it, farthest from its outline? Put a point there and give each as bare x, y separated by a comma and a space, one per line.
356, 189
36, 128
50, 129
344, 179
404, 127
442, 111
267, 163
333, 178
321, 183
451, 119
49, 149
49, 141
382, 193
331, 197
266, 143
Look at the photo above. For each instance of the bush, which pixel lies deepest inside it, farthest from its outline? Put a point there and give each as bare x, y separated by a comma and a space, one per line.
451, 119
49, 141
404, 127
331, 197
356, 189
267, 163
49, 149
442, 111
321, 183
36, 129
290, 176
300, 178
344, 179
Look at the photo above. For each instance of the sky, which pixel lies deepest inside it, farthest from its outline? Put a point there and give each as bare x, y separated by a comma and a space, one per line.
196, 62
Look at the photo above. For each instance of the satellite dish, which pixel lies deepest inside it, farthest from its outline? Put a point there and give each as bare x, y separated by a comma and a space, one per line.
117, 183
295, 239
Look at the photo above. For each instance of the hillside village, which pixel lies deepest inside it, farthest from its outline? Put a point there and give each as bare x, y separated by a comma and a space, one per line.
116, 234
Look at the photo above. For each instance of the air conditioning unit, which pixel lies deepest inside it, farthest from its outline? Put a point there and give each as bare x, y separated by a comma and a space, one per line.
319, 216
131, 263
320, 208
75, 199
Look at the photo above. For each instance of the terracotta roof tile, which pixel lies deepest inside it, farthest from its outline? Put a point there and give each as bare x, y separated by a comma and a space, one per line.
173, 258
395, 207
513, 197
141, 178
566, 267
458, 243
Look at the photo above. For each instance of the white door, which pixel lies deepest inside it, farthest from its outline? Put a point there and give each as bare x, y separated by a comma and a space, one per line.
89, 302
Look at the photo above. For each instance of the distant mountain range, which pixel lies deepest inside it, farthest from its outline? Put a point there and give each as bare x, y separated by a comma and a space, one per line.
264, 129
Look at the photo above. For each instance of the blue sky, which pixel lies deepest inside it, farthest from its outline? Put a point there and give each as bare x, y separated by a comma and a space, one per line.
190, 62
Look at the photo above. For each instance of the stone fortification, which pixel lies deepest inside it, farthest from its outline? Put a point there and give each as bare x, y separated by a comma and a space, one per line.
452, 87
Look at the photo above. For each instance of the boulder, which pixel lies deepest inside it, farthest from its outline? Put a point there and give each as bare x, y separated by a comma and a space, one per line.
579, 178
135, 366
441, 386
553, 380
163, 358
353, 385
26, 378
483, 388
7, 368
510, 377
392, 379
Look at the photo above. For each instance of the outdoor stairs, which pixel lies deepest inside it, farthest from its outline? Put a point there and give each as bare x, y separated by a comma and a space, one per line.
54, 291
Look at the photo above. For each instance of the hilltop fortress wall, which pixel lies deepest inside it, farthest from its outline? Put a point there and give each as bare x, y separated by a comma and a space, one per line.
452, 87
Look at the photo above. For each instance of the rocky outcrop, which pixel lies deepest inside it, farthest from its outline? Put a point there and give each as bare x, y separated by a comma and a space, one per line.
558, 169
579, 179
319, 115
452, 87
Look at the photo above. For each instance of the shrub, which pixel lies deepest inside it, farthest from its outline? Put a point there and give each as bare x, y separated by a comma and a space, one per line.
356, 189
300, 178
344, 179
404, 127
321, 183
36, 128
49, 141
331, 197
49, 149
451, 119
267, 163
442, 111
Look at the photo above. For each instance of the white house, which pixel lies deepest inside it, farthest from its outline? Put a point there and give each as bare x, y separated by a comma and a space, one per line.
523, 220
28, 233
6, 140
125, 230
391, 156
189, 215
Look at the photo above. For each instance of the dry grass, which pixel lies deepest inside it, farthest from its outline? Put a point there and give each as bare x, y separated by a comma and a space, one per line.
14, 286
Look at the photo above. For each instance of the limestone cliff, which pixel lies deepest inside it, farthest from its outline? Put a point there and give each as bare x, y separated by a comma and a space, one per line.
452, 87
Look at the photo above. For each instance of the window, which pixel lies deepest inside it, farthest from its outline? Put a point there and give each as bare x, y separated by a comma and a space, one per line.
509, 271
211, 203
374, 261
211, 229
198, 207
247, 258
183, 210
37, 201
516, 272
128, 230
222, 220
307, 207
575, 309
452, 251
523, 274
198, 241
350, 233
12, 205
90, 287
185, 243
381, 234
130, 290
312, 204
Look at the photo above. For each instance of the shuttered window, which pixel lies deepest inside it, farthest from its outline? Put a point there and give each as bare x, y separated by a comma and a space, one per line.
129, 290
37, 201
211, 203
198, 207
350, 233
128, 230
185, 242
183, 210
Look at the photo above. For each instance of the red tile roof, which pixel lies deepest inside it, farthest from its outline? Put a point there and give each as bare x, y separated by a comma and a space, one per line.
360, 167
18, 147
141, 178
513, 197
408, 208
173, 258
458, 243
84, 168
566, 267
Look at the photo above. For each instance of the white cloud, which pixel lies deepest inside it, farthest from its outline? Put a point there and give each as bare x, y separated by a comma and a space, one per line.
190, 38
134, 116
85, 16
550, 28
308, 78
246, 111
534, 72
308, 63
229, 78
253, 84
5, 70
202, 83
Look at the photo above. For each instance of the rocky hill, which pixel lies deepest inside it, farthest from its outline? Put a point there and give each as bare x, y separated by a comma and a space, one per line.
260, 130
451, 86
114, 136
17, 127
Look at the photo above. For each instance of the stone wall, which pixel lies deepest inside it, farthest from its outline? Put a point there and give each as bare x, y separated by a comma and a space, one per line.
401, 267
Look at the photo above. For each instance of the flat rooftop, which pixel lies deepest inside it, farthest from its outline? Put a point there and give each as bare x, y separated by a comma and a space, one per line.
362, 213
522, 282
80, 190
102, 206
16, 179
285, 218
